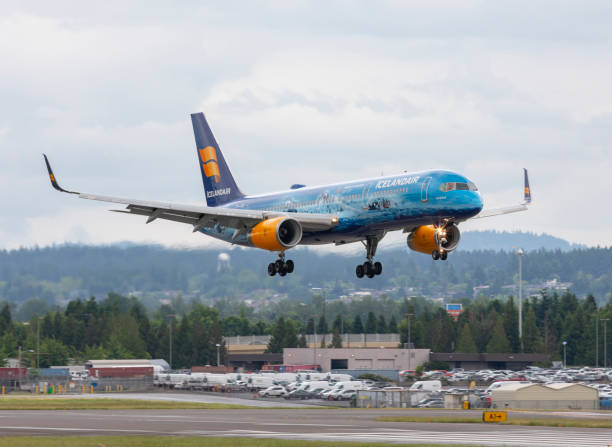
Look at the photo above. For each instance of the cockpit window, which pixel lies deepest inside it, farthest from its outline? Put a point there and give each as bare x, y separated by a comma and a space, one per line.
458, 186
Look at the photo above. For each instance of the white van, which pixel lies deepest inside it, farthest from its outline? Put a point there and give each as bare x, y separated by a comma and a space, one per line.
260, 382
426, 385
307, 386
340, 377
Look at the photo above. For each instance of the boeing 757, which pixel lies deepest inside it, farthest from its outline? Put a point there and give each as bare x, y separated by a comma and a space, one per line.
427, 205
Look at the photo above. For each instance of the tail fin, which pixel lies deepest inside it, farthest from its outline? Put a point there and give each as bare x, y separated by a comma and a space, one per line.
527, 193
219, 185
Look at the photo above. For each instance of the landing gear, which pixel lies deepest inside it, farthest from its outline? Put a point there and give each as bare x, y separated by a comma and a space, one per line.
369, 268
443, 255
281, 266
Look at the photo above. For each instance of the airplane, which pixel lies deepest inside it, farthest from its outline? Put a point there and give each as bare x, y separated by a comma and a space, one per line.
427, 205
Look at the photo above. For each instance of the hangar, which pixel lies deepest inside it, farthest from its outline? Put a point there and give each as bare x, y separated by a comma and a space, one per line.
556, 396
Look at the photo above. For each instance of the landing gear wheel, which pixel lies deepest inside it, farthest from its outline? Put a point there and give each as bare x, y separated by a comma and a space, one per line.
272, 269
359, 271
369, 269
279, 265
443, 255
289, 266
282, 271
377, 268
435, 255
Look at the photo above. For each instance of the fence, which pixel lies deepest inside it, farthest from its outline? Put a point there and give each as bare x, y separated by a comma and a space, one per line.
384, 399
347, 339
64, 385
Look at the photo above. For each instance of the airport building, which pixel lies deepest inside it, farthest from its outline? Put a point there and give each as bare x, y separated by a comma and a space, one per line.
357, 358
556, 396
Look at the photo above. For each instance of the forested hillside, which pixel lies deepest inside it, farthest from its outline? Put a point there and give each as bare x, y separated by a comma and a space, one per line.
57, 274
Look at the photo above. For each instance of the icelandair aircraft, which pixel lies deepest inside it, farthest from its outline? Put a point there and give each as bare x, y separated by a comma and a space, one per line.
427, 205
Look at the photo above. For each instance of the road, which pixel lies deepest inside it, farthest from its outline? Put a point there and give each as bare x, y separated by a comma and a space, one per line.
318, 425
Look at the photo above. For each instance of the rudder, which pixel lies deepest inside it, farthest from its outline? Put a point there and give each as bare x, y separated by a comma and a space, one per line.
219, 184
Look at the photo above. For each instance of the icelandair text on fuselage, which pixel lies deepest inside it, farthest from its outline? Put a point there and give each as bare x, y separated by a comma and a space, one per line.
400, 181
218, 192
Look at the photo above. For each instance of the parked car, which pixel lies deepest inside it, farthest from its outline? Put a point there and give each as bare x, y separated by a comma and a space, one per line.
298, 394
274, 390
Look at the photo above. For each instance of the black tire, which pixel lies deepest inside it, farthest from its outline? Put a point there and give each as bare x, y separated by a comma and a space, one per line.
377, 268
279, 265
282, 271
289, 266
443, 255
359, 271
435, 255
271, 269
369, 269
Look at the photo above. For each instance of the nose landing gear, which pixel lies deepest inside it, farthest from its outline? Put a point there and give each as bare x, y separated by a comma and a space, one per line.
369, 268
281, 266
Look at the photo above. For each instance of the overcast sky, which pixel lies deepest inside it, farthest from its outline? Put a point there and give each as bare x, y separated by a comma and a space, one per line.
302, 92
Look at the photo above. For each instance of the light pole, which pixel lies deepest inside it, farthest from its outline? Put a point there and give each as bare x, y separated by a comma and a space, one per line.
409, 318
564, 354
520, 254
605, 320
218, 355
314, 352
597, 340
170, 318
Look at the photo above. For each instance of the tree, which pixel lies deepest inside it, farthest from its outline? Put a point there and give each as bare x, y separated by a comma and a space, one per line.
357, 325
370, 327
393, 325
322, 326
310, 326
5, 318
381, 324
532, 340
511, 325
336, 339
465, 342
498, 343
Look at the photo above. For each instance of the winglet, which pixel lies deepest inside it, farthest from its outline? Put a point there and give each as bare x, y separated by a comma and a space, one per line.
527, 191
52, 178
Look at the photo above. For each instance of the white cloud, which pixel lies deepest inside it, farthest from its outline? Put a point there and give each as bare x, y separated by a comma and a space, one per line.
299, 93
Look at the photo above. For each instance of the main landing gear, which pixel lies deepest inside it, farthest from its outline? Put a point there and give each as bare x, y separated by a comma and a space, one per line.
439, 255
281, 266
369, 268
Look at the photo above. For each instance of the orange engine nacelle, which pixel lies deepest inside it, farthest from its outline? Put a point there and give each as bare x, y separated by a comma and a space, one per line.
277, 234
427, 238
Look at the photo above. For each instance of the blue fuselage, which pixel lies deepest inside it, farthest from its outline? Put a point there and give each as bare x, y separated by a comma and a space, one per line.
370, 207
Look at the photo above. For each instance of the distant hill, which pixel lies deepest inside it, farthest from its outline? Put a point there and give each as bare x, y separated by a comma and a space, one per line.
503, 240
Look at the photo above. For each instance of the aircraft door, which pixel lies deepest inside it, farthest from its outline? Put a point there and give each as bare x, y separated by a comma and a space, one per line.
424, 188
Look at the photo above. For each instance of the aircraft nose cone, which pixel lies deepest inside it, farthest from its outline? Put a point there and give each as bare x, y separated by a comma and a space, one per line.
477, 202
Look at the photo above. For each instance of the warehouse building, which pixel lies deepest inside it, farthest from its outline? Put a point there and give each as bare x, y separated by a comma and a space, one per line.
357, 358
556, 396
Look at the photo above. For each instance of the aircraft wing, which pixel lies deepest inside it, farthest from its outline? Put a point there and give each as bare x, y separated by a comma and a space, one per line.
513, 208
202, 216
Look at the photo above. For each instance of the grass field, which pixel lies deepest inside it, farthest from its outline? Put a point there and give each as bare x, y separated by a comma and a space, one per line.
161, 441
46, 403
534, 422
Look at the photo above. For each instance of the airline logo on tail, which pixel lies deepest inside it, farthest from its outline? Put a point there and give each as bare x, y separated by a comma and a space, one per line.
208, 157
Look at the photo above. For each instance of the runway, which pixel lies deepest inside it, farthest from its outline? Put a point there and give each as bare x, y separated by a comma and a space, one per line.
317, 425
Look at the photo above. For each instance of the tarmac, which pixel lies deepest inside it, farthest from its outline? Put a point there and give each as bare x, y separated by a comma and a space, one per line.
298, 424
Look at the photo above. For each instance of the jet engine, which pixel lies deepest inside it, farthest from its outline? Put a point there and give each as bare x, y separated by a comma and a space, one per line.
427, 239
277, 234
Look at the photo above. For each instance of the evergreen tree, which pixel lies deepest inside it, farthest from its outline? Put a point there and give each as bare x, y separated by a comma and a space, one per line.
381, 324
370, 327
498, 343
279, 334
465, 342
357, 325
338, 324
393, 325
322, 326
336, 339
310, 326
290, 339
532, 340
511, 326
5, 318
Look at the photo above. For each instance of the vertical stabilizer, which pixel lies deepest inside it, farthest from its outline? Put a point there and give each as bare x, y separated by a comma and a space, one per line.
219, 184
